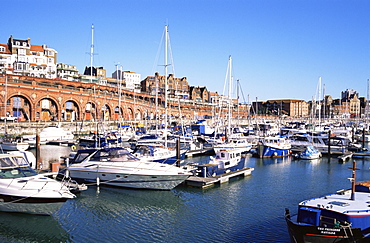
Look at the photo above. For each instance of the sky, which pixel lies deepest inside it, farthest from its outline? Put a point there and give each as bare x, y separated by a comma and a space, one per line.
279, 48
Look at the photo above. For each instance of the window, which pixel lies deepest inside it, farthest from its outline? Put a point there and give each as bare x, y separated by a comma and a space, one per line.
2, 49
19, 66
21, 51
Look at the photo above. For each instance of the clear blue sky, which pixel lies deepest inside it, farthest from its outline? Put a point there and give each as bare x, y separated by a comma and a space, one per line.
280, 48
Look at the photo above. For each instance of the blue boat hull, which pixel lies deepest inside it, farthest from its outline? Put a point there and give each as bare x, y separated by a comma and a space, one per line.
301, 233
270, 152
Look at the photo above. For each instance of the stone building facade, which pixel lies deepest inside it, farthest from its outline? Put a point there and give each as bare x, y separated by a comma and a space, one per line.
176, 87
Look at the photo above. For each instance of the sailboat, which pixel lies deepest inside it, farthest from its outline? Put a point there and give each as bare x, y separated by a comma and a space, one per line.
233, 141
157, 147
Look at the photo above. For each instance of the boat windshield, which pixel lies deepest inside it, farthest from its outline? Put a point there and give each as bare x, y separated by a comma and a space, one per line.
114, 155
15, 167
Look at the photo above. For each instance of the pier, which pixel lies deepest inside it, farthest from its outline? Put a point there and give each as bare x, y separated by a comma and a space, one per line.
205, 182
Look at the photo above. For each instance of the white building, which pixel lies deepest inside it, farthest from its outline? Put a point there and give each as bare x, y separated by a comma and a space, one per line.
131, 79
67, 72
22, 58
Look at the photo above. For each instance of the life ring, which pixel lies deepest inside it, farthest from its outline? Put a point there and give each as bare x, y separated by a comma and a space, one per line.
73, 147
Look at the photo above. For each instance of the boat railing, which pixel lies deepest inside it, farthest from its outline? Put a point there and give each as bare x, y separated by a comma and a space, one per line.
357, 211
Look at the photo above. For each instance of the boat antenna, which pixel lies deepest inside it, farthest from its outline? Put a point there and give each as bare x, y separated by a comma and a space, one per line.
353, 179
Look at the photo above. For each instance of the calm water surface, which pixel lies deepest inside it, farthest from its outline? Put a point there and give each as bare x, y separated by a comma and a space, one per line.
247, 209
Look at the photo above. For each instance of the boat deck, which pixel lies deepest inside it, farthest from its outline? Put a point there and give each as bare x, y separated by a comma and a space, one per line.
341, 202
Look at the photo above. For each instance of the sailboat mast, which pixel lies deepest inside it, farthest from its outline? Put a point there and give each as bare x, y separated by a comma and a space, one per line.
156, 104
319, 102
91, 52
237, 98
165, 83
230, 100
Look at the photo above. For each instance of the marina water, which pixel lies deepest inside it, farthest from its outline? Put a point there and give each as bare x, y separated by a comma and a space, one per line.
249, 209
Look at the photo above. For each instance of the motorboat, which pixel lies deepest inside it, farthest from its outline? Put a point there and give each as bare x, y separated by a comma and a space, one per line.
101, 140
242, 144
8, 144
116, 166
321, 142
339, 217
309, 153
51, 133
22, 190
271, 147
225, 161
158, 153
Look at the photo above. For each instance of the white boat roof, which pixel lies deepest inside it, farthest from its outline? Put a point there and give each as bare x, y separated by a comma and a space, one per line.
341, 202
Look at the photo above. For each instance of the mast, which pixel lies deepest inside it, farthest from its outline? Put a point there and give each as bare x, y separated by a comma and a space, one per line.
237, 99
156, 104
230, 100
91, 52
319, 106
353, 180
119, 73
165, 81
324, 101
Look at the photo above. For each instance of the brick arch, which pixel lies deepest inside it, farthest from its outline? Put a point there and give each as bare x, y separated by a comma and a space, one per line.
88, 114
138, 114
129, 114
117, 111
109, 114
25, 111
47, 114
72, 113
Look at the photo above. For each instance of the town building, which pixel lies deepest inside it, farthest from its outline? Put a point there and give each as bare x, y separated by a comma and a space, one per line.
199, 94
19, 57
292, 108
67, 72
176, 87
130, 79
94, 75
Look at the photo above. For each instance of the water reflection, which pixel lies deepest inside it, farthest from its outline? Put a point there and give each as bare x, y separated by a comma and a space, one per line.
16, 227
127, 213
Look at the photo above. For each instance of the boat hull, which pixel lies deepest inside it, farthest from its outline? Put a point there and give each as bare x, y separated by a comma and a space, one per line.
150, 182
301, 233
30, 205
14, 146
264, 151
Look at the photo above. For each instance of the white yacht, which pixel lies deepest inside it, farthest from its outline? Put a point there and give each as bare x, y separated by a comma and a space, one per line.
22, 190
117, 167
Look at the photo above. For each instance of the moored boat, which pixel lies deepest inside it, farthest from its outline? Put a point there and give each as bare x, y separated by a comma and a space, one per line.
343, 216
225, 161
158, 153
118, 167
8, 144
309, 153
271, 147
22, 190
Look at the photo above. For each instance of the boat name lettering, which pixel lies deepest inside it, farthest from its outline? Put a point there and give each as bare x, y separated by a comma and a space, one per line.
328, 231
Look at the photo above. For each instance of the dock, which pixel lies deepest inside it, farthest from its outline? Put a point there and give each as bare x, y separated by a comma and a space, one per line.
205, 182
